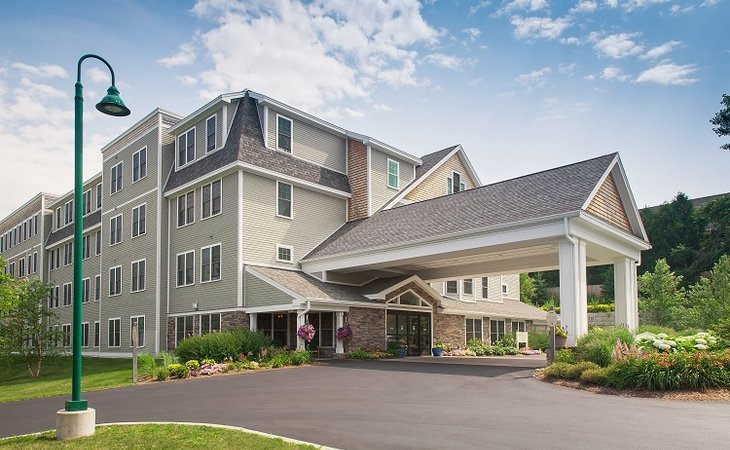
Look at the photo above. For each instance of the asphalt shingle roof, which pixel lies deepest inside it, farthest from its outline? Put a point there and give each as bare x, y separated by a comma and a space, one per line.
431, 159
246, 143
552, 192
508, 308
62, 233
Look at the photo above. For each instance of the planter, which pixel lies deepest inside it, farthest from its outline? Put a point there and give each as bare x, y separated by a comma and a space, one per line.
402, 352
437, 351
560, 342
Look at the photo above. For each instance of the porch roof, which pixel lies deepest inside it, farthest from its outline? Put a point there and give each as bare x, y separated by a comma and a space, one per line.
551, 193
506, 309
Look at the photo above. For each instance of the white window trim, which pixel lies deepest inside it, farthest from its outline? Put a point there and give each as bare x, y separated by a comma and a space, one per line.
88, 290
450, 294
95, 290
276, 143
145, 161
131, 279
504, 287
144, 332
70, 335
98, 188
177, 207
107, 332
397, 175
92, 334
131, 228
121, 179
71, 294
215, 134
219, 244
479, 318
121, 285
177, 149
91, 202
211, 199
462, 292
64, 217
276, 194
88, 336
99, 238
177, 268
120, 232
286, 247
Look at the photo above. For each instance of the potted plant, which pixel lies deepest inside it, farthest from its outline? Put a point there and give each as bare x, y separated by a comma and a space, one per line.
306, 332
402, 348
560, 337
438, 349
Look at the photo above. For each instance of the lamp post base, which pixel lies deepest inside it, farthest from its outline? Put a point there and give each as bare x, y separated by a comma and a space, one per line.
75, 424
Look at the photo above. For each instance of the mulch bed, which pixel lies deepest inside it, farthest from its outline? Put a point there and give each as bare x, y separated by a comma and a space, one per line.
707, 395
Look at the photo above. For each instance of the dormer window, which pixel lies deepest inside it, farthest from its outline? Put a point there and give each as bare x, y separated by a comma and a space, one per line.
284, 133
393, 174
186, 148
454, 183
210, 126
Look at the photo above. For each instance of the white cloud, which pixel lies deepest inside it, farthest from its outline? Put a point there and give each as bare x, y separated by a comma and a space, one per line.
535, 79
661, 50
677, 9
630, 5
571, 41
567, 69
479, 6
185, 56
41, 71
555, 109
611, 3
187, 80
585, 7
619, 45
614, 74
531, 28
707, 3
514, 6
99, 76
472, 33
668, 74
313, 54
448, 61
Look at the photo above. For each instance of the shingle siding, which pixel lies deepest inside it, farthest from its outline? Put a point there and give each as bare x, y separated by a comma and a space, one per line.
607, 205
357, 170
435, 185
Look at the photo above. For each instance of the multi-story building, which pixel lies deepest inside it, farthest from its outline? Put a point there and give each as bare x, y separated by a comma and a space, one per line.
251, 213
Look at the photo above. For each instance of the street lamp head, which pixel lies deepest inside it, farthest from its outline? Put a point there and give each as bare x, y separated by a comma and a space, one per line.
112, 104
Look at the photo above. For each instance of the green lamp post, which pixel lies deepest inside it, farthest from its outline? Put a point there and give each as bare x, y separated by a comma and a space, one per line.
112, 105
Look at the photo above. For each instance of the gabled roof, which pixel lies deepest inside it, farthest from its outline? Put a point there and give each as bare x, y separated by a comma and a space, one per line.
550, 193
246, 144
512, 309
432, 159
68, 231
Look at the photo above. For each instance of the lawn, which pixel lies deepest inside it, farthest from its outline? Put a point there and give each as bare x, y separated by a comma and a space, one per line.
155, 436
98, 373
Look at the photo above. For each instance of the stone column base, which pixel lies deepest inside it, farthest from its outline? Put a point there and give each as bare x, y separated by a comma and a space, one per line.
75, 424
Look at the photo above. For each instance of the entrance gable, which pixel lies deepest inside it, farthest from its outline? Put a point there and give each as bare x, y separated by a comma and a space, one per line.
607, 205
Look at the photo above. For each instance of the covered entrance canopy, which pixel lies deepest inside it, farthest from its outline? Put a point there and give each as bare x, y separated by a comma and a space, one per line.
566, 218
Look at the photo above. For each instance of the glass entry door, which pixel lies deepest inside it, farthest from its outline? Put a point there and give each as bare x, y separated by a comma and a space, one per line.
411, 328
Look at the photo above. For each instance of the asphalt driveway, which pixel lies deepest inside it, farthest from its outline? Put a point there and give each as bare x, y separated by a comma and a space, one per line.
406, 405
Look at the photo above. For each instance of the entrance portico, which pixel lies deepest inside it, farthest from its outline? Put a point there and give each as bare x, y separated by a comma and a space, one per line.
568, 219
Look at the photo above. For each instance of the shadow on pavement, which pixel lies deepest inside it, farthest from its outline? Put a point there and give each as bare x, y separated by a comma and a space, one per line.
450, 368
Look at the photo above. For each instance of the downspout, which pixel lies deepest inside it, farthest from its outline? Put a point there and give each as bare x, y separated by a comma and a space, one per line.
566, 227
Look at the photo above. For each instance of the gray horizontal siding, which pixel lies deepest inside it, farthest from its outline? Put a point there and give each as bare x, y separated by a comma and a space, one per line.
379, 190
129, 190
259, 293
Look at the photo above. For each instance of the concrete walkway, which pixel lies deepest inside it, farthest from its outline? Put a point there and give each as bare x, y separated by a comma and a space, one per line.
405, 404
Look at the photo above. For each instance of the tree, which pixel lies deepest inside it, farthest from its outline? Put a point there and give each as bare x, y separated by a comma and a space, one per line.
527, 289
8, 294
716, 242
710, 297
25, 330
662, 299
722, 121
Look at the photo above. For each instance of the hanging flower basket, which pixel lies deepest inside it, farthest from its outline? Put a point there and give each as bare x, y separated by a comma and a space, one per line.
344, 333
306, 332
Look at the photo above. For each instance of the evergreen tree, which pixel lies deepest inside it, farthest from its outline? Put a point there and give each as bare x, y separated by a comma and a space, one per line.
722, 121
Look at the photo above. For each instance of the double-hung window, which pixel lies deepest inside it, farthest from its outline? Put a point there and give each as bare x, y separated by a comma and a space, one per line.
115, 230
393, 173
96, 333
139, 220
68, 212
210, 126
284, 199
139, 321
85, 285
97, 288
186, 148
473, 329
56, 296
115, 333
58, 219
139, 164
186, 209
468, 286
116, 177
210, 263
284, 127
66, 330
68, 253
98, 242
67, 294
115, 281
87, 202
86, 247
98, 196
85, 334
496, 330
183, 328
452, 287
485, 287
211, 199
454, 183
186, 268
138, 275
210, 323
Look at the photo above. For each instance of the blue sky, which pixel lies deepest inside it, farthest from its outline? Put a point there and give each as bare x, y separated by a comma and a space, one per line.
523, 85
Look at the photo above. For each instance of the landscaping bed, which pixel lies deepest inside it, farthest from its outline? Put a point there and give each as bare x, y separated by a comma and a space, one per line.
156, 436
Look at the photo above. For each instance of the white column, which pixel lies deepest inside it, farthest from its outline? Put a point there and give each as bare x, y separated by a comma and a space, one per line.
252, 322
301, 320
625, 288
340, 322
573, 289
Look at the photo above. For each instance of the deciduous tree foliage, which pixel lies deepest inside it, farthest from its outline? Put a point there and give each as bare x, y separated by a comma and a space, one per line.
722, 121
662, 299
8, 294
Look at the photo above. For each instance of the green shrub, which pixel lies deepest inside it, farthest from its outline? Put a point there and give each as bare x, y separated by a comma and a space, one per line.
511, 350
192, 365
508, 340
575, 371
167, 358
162, 373
722, 329
146, 365
208, 361
178, 370
556, 370
595, 376
657, 329
565, 356
369, 354
223, 345
601, 308
478, 346
498, 350
597, 345
538, 340
300, 357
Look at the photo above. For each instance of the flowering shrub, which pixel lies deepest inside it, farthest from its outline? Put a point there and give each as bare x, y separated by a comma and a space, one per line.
178, 370
664, 343
210, 369
306, 332
192, 365
344, 333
